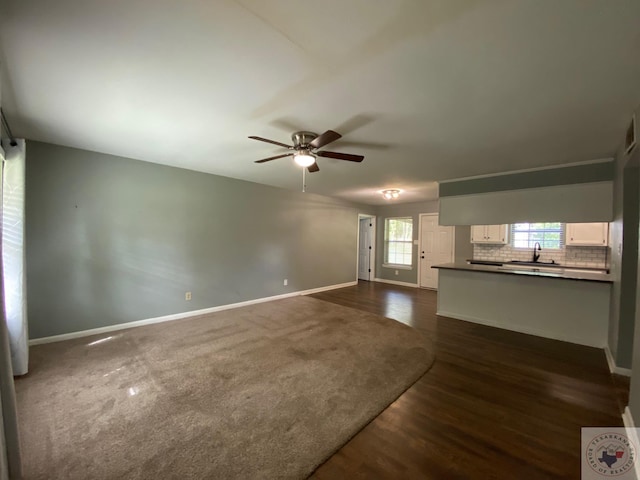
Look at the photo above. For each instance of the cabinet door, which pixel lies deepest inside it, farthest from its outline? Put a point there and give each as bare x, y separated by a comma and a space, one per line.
478, 233
497, 233
587, 234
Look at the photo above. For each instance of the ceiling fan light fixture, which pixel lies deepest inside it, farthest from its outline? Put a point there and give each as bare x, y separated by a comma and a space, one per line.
390, 194
304, 158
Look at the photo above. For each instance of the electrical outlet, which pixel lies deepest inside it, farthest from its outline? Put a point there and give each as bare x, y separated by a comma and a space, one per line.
397, 272
286, 282
187, 296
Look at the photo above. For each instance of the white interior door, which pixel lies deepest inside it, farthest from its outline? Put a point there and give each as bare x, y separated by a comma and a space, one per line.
436, 247
364, 249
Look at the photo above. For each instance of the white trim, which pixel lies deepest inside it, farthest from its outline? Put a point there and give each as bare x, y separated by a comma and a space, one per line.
627, 418
395, 282
374, 235
613, 368
372, 257
632, 434
183, 315
397, 266
526, 170
519, 329
419, 273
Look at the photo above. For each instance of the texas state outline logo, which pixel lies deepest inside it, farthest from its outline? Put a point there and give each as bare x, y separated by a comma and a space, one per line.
607, 453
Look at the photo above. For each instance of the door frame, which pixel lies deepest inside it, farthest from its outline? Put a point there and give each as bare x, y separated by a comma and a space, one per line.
372, 257
453, 240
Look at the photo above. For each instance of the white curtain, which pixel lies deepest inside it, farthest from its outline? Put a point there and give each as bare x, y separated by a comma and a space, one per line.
13, 254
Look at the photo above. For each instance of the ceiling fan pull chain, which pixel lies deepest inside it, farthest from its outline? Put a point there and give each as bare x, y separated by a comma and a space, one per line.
304, 183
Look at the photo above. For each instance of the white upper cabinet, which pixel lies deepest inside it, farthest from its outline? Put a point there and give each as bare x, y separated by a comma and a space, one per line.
587, 234
496, 234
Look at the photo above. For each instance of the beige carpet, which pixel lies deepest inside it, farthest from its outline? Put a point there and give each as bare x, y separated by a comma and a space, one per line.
266, 391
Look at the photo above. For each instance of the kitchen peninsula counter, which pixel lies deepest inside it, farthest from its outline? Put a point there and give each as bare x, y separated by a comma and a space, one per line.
562, 272
566, 304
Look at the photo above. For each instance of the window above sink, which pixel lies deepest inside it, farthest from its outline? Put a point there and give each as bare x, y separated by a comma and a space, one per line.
549, 235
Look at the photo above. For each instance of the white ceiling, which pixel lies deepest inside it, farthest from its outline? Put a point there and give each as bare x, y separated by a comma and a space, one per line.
437, 89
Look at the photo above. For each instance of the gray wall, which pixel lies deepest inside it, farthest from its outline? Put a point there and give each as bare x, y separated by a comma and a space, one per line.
112, 240
412, 210
549, 177
634, 395
566, 194
463, 247
629, 274
615, 262
572, 311
624, 258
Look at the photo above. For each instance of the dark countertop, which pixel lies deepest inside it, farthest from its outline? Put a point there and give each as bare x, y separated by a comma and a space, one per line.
567, 273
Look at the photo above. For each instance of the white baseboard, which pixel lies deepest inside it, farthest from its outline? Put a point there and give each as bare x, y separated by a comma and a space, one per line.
395, 282
519, 329
613, 368
180, 316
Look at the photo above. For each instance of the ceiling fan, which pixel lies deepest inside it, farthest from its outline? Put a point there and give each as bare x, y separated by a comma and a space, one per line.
305, 146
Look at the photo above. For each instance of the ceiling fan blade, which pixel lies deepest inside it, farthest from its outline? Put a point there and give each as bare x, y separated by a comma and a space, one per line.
324, 139
341, 156
273, 158
270, 141
313, 168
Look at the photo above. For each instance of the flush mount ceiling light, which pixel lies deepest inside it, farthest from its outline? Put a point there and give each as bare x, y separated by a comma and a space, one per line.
390, 194
304, 158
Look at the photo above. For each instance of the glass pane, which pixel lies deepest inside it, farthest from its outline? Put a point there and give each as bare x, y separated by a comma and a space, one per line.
398, 235
399, 253
548, 235
521, 243
399, 229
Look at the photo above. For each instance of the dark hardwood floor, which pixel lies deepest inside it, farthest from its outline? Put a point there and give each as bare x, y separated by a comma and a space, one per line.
495, 405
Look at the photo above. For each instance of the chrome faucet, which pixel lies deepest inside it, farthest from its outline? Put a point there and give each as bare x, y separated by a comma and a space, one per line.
536, 256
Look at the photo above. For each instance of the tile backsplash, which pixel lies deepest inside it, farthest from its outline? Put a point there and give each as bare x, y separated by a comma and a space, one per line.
592, 257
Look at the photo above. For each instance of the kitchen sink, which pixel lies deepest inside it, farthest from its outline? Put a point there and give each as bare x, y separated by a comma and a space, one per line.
533, 267
551, 264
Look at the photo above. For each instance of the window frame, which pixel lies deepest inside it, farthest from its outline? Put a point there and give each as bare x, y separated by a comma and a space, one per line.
387, 241
561, 230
